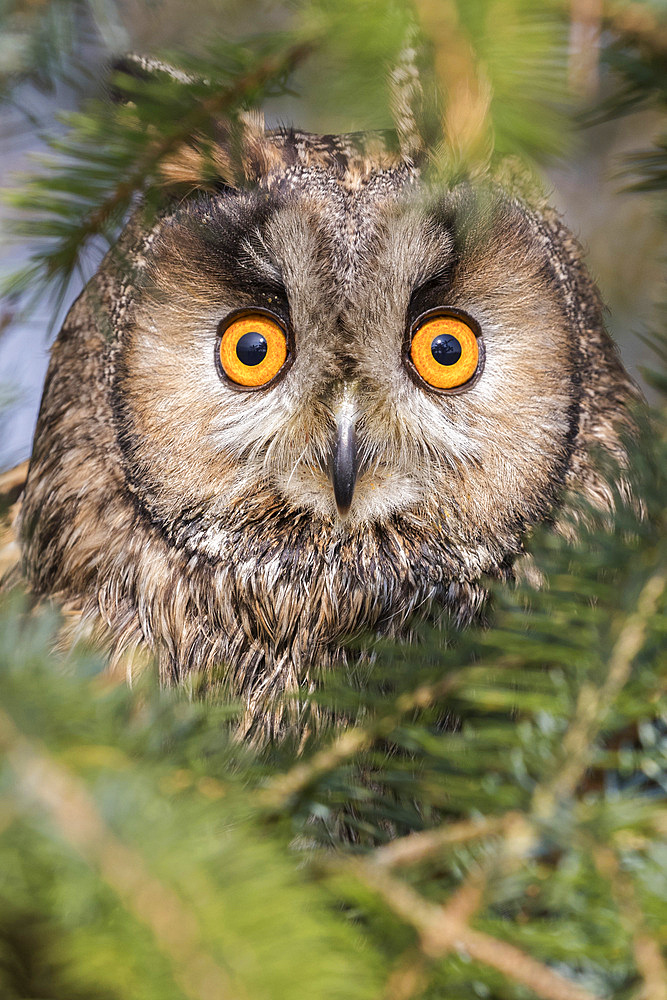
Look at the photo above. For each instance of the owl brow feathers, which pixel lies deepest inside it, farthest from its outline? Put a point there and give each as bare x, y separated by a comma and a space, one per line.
211, 239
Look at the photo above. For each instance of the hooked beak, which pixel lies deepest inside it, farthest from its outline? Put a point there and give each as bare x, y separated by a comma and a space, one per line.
343, 465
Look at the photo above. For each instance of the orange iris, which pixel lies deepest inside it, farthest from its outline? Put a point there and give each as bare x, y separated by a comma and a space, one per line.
253, 349
445, 352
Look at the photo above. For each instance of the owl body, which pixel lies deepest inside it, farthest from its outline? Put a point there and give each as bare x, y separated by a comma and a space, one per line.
243, 532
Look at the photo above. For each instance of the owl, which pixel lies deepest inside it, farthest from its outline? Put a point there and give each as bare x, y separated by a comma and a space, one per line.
323, 396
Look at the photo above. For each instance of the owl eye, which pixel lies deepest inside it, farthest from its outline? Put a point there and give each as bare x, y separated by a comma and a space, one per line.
252, 349
445, 350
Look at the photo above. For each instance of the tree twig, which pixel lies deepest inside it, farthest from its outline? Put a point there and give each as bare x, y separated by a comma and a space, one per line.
218, 104
286, 787
444, 929
466, 123
408, 978
638, 23
584, 58
418, 847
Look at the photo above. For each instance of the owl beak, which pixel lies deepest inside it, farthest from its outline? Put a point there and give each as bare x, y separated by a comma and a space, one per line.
343, 466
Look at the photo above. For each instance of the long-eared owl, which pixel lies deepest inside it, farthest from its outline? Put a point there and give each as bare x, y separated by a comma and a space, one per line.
312, 402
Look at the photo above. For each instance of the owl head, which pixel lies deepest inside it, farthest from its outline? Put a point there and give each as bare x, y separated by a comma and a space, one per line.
311, 402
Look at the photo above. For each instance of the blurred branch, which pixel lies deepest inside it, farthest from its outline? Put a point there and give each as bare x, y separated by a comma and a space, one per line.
421, 846
408, 979
593, 703
443, 929
12, 481
191, 124
466, 124
284, 789
111, 155
585, 29
44, 783
633, 23
639, 23
648, 956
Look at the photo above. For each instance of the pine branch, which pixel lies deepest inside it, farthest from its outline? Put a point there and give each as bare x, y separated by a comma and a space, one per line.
648, 955
282, 791
113, 154
191, 125
445, 929
416, 848
637, 23
127, 823
594, 703
64, 799
466, 127
409, 978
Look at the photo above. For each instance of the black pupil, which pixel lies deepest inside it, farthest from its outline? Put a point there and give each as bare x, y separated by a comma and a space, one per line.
251, 348
446, 349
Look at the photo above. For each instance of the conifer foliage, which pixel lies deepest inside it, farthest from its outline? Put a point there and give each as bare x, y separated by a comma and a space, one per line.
493, 821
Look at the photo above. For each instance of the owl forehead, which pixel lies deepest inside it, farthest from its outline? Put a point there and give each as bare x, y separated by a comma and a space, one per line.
305, 214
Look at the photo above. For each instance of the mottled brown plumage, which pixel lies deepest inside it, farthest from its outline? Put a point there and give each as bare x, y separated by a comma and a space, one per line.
199, 521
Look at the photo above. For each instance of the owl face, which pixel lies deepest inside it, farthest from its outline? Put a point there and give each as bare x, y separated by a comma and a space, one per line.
313, 405
345, 278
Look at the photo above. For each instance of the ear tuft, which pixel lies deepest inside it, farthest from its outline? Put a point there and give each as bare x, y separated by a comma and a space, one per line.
235, 152
260, 156
140, 67
407, 99
200, 164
